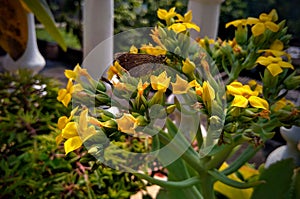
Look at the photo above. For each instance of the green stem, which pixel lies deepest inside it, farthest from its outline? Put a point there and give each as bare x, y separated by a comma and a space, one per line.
206, 186
240, 185
249, 152
189, 155
170, 184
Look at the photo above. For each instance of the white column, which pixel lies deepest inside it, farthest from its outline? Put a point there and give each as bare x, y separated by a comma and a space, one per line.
31, 58
97, 29
206, 14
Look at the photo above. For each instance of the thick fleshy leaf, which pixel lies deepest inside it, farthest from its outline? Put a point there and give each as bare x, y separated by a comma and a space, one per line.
72, 144
258, 29
258, 102
240, 101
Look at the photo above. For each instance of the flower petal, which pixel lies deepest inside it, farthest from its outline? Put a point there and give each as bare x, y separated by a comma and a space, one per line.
258, 29
274, 69
272, 26
181, 86
240, 101
258, 102
72, 144
70, 130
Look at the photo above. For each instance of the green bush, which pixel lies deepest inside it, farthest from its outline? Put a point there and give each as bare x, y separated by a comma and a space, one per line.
31, 164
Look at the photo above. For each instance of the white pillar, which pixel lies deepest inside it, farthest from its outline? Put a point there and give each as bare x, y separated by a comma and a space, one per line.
206, 14
97, 28
31, 58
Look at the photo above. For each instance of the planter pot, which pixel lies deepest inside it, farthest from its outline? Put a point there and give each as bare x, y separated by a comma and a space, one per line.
205, 14
290, 150
31, 58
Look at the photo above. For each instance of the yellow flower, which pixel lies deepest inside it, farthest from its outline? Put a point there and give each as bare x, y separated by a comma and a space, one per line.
188, 66
142, 86
166, 15
208, 93
153, 50
181, 27
232, 192
237, 23
161, 82
198, 88
243, 95
265, 21
186, 22
257, 87
65, 94
77, 133
61, 124
181, 86
115, 69
276, 50
74, 74
281, 104
133, 50
127, 124
62, 121
274, 64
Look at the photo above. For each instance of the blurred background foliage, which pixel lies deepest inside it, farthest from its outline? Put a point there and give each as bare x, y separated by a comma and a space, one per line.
142, 13
31, 164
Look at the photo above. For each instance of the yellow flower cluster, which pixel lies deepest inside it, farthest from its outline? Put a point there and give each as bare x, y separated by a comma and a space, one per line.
181, 24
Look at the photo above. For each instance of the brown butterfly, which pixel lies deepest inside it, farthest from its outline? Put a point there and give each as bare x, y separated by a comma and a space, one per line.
129, 60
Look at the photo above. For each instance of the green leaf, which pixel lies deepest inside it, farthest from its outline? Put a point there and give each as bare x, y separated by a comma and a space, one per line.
278, 179
42, 14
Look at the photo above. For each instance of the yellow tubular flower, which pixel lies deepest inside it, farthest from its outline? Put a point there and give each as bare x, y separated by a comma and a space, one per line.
166, 15
181, 86
77, 133
76, 73
243, 95
153, 50
198, 88
141, 87
115, 69
188, 66
186, 21
127, 124
133, 50
161, 82
236, 23
276, 50
274, 64
208, 93
65, 94
265, 21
